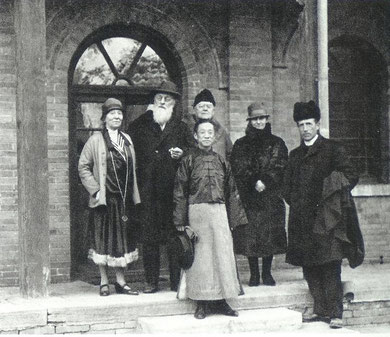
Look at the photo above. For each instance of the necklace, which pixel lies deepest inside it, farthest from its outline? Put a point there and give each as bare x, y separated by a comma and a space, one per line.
123, 195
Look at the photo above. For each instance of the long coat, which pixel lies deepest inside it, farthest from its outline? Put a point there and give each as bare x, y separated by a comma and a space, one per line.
303, 191
260, 155
206, 177
156, 171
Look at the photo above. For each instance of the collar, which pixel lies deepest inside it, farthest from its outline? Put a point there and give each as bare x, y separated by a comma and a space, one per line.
107, 139
312, 141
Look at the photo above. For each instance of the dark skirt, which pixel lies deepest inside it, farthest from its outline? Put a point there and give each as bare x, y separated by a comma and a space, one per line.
112, 240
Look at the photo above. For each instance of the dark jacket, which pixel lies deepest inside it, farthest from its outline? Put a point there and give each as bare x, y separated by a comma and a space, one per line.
337, 212
260, 155
156, 171
206, 177
303, 188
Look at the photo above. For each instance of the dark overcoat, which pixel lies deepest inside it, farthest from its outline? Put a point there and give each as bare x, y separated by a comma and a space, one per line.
260, 155
303, 190
156, 171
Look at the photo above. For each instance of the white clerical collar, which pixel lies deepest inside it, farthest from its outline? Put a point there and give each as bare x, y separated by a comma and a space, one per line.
311, 141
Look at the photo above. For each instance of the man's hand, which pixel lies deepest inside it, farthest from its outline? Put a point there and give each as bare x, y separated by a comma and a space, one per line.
180, 228
260, 187
176, 153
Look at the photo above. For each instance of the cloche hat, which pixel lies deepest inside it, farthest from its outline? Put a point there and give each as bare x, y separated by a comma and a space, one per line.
256, 110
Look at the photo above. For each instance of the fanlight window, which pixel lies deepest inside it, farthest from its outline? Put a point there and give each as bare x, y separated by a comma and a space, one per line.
120, 61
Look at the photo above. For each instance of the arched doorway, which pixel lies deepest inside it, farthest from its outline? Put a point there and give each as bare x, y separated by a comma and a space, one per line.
358, 105
122, 62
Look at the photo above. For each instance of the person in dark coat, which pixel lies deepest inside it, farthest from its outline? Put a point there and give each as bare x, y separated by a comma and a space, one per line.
160, 141
258, 160
319, 251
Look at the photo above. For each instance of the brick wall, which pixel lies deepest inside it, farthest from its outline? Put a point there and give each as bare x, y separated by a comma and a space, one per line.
250, 61
8, 163
220, 45
58, 156
374, 214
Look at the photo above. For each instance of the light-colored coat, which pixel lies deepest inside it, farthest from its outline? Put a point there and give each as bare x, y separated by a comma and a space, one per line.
93, 169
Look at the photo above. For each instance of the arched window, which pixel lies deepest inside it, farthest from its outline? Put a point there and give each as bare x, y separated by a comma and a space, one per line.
357, 105
120, 61
125, 62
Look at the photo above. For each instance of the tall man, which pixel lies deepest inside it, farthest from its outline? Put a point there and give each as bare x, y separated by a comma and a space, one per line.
204, 105
160, 141
315, 242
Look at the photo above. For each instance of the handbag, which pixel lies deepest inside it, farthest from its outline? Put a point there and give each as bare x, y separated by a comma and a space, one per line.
185, 247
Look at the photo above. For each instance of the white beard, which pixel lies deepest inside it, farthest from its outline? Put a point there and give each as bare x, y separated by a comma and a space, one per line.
162, 116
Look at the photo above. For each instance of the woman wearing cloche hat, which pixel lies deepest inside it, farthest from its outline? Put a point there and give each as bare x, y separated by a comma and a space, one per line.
258, 160
107, 171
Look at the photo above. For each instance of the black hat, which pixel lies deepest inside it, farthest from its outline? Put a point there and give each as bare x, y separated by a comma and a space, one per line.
204, 96
167, 87
184, 248
111, 104
307, 110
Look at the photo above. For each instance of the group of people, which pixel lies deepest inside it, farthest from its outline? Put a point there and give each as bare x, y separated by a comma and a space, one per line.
232, 196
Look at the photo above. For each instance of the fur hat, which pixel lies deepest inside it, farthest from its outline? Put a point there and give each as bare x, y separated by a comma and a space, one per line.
256, 110
204, 96
111, 104
307, 110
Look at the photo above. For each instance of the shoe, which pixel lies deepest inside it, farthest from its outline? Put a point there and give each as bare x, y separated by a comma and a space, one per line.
104, 292
336, 323
254, 281
200, 312
268, 280
125, 289
150, 289
225, 309
308, 318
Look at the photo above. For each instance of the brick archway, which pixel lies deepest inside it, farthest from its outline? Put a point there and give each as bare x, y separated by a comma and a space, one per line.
67, 26
193, 50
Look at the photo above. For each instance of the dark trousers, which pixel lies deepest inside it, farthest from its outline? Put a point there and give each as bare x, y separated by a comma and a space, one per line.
325, 286
151, 261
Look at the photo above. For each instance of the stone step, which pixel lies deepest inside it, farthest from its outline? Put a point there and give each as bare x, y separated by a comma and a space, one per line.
323, 328
260, 320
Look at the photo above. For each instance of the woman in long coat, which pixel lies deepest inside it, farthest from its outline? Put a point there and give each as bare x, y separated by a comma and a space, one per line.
107, 171
258, 160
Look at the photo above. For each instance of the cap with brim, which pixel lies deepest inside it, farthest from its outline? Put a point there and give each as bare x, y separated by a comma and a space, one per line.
256, 110
167, 87
109, 105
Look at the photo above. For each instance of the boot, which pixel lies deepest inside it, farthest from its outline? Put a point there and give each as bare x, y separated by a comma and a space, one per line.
200, 312
254, 279
224, 308
266, 276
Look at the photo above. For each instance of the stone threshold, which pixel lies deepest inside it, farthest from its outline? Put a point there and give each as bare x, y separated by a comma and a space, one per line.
76, 307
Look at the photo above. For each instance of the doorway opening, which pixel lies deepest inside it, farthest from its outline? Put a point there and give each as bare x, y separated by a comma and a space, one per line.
358, 106
125, 62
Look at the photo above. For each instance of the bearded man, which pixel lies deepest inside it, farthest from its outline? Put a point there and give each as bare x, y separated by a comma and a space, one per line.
160, 141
